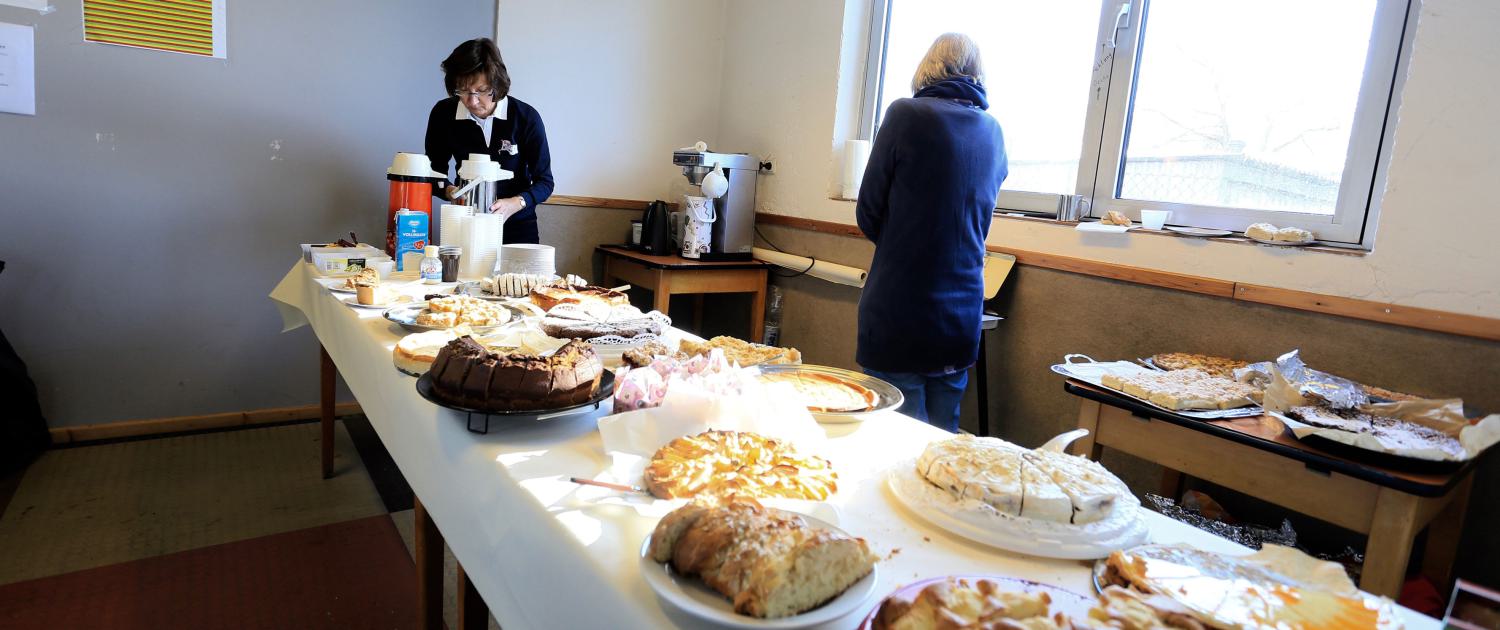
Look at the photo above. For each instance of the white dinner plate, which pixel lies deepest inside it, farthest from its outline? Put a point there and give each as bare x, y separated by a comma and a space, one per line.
336, 285
1124, 528
353, 300
689, 595
1201, 232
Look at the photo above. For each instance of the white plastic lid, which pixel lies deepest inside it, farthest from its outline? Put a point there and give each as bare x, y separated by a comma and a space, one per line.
431, 250
480, 167
413, 165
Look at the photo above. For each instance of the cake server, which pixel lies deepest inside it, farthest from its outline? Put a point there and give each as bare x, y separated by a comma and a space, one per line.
611, 486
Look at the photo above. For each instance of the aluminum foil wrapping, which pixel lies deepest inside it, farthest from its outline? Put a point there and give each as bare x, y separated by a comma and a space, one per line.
1255, 536
1288, 382
1252, 536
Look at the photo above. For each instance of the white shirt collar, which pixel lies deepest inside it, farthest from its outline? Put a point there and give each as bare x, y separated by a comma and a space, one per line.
502, 108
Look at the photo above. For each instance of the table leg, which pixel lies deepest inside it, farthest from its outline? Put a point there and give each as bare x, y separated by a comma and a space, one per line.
1392, 528
1088, 418
663, 292
473, 614
758, 312
428, 545
326, 374
1443, 534
698, 314
981, 370
1171, 484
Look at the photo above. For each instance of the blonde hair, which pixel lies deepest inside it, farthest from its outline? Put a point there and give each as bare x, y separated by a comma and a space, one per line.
952, 55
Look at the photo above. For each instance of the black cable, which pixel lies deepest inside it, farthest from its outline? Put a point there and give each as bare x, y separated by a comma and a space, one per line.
773, 246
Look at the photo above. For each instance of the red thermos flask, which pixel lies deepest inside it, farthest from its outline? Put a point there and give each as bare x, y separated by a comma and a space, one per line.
411, 178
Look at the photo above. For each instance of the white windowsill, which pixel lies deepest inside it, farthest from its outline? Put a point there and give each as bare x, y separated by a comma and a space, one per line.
1238, 240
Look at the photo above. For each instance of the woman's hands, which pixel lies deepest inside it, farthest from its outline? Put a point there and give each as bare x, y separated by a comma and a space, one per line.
507, 207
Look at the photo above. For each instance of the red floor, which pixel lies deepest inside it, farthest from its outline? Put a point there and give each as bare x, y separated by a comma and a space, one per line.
355, 574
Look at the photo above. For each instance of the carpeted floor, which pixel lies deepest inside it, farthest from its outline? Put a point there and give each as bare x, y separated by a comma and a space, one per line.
353, 574
85, 507
226, 529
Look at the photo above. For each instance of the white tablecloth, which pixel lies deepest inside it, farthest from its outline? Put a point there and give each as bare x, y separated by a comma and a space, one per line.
543, 558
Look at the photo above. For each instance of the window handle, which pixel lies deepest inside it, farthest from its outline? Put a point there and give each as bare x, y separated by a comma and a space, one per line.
1122, 20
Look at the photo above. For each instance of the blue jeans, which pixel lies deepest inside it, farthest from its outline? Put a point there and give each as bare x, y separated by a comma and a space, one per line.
931, 399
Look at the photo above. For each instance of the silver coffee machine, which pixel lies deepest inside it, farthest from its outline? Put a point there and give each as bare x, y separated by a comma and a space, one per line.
734, 231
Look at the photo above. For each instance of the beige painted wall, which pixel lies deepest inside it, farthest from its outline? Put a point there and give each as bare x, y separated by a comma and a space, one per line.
619, 85
791, 64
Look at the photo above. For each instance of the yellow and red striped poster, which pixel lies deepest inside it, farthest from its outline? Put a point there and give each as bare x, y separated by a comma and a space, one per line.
193, 27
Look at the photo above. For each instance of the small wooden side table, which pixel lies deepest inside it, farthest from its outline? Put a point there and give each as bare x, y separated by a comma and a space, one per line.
674, 275
1259, 457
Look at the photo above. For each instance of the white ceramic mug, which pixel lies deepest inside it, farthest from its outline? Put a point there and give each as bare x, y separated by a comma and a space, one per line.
1154, 219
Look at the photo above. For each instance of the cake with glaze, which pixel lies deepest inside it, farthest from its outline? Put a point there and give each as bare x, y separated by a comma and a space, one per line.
467, 374
590, 321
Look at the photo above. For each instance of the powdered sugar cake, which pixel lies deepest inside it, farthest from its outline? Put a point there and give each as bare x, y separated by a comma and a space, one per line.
1184, 389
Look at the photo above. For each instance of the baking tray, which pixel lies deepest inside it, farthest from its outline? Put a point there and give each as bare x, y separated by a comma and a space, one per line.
1071, 370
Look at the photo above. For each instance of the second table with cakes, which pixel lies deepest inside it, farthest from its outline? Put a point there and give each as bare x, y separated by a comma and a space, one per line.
636, 476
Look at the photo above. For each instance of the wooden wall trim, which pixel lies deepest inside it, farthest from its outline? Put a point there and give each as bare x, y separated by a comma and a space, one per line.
826, 227
1393, 314
1137, 275
600, 202
158, 426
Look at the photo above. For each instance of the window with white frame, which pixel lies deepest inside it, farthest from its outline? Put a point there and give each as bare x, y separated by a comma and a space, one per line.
1226, 113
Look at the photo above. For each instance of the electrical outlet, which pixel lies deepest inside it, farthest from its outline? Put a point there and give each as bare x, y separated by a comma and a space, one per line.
767, 167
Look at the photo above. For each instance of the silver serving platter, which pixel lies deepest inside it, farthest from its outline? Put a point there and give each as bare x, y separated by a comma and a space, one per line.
406, 316
888, 396
474, 289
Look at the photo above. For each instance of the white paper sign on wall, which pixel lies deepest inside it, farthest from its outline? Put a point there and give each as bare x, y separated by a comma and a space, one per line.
35, 5
17, 69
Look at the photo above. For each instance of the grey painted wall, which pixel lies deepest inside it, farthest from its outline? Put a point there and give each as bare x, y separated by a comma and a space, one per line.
157, 198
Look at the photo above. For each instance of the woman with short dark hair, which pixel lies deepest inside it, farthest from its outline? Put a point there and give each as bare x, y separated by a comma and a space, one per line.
481, 116
926, 201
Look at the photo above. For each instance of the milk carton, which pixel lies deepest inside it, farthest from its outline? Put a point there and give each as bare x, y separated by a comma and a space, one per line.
411, 235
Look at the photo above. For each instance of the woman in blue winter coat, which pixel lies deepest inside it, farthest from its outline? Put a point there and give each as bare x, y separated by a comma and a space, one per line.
926, 201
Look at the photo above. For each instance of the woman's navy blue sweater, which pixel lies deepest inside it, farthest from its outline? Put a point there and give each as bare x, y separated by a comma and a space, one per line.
926, 201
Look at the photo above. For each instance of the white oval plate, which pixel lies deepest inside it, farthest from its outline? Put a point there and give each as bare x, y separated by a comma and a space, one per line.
353, 300
691, 596
1122, 529
1096, 226
1286, 243
1200, 232
336, 285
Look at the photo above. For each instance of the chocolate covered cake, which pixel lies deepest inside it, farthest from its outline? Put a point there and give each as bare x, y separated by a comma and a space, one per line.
468, 375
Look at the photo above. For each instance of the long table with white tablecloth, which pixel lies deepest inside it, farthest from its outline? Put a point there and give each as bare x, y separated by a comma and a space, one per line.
542, 557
